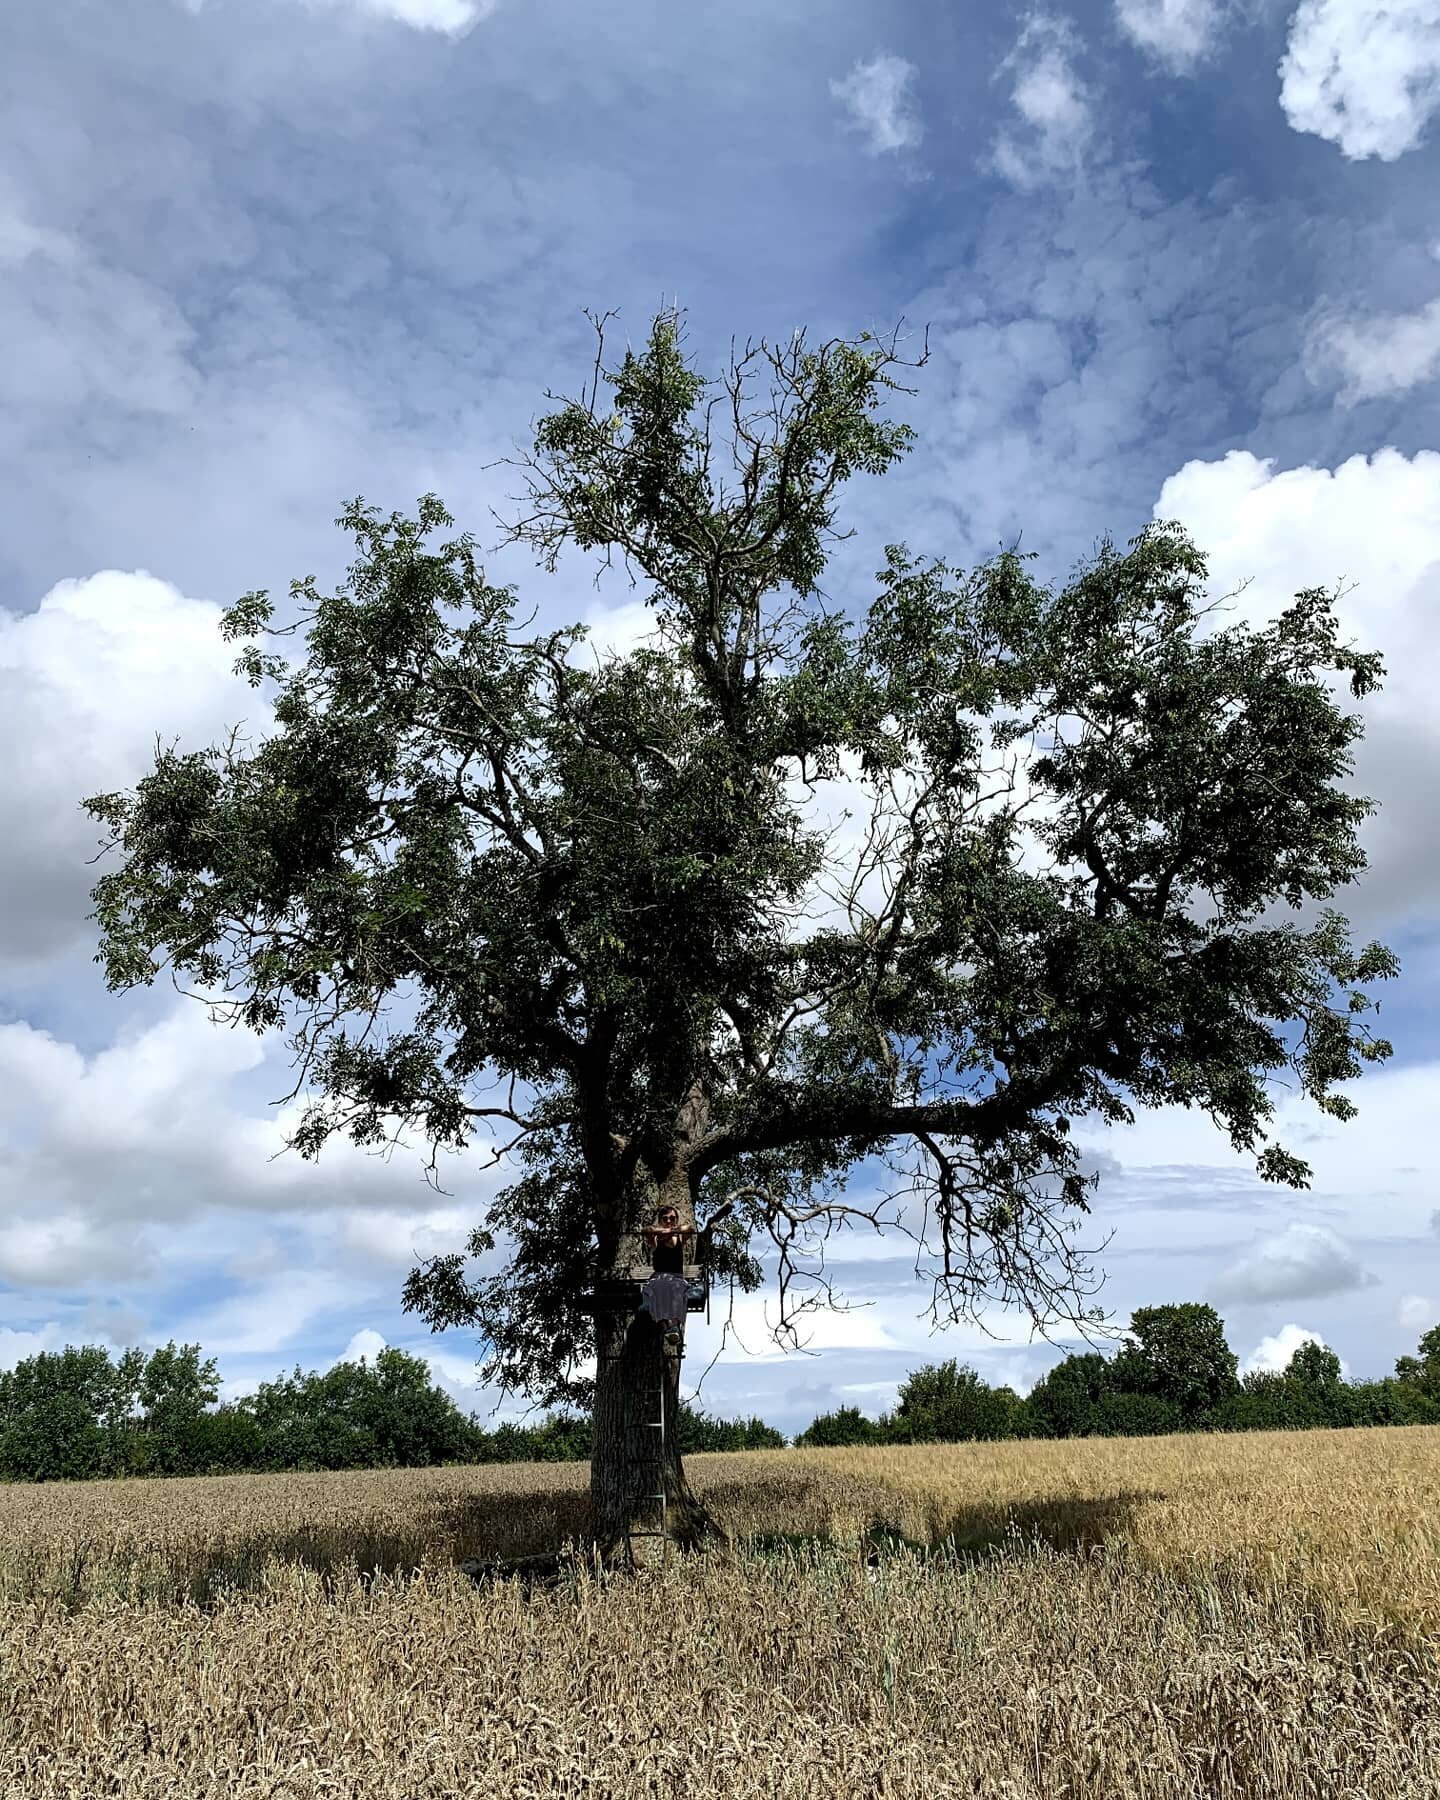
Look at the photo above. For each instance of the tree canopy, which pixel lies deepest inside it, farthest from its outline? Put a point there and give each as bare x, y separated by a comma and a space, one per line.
631, 957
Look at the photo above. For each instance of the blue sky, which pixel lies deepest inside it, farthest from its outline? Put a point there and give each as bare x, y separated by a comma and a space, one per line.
1178, 258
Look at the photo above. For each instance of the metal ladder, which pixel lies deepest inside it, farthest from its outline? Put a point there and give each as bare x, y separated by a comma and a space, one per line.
662, 1531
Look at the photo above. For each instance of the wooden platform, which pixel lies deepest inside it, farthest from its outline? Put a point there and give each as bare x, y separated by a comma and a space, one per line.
621, 1293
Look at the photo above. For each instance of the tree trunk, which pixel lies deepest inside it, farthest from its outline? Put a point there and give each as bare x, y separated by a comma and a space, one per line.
631, 1460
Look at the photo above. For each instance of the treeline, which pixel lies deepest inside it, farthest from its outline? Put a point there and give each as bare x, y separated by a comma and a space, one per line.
74, 1415
1174, 1372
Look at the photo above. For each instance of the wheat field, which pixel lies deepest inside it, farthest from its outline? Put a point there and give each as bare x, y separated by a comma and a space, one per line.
1255, 1616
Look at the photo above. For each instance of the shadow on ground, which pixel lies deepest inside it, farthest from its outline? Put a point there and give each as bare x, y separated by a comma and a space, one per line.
979, 1534
532, 1537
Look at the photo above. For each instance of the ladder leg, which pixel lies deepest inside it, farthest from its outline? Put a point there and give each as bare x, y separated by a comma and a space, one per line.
660, 1496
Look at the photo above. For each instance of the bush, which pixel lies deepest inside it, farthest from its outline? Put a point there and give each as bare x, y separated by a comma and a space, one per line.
1136, 1415
950, 1403
1390, 1402
699, 1433
359, 1415
841, 1429
1066, 1402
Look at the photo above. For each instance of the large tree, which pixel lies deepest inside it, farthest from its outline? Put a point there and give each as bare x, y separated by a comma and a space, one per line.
601, 895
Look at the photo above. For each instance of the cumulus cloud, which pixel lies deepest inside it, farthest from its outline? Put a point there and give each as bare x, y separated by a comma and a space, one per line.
364, 1343
70, 1249
1302, 1262
88, 681
1416, 1312
257, 1257
1389, 353
157, 1128
18, 1346
453, 17
20, 240
118, 1326
1371, 526
1052, 104
268, 1315
1271, 1356
387, 1238
1179, 34
614, 631
1363, 74
878, 98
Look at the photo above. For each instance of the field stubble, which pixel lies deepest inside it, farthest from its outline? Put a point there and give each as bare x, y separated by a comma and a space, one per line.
1255, 1616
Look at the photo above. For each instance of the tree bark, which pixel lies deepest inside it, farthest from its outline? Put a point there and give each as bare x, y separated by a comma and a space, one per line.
632, 1461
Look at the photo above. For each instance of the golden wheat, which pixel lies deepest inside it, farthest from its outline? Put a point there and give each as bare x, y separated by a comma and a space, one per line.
1245, 1616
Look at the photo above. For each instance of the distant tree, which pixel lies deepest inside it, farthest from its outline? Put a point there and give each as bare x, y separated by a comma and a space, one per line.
561, 1437
1122, 1414
1264, 1401
1177, 1354
1066, 1402
1423, 1369
175, 1392
1390, 1402
366, 1414
700, 1433
591, 889
841, 1429
225, 1441
1316, 1365
1306, 1395
413, 1420
62, 1414
567, 1437
951, 1403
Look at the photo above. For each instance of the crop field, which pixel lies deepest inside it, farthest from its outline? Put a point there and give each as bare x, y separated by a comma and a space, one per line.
1254, 1615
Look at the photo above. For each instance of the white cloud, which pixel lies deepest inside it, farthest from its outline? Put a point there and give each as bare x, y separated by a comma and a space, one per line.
155, 1128
458, 1372
1302, 1262
614, 631
878, 98
453, 17
1363, 74
1389, 353
1179, 34
257, 1257
863, 1327
94, 334
68, 1250
18, 1346
1371, 525
1374, 1173
364, 1343
19, 239
1053, 105
268, 1316
88, 681
392, 1239
1416, 1313
117, 1326
1271, 1356
1373, 522
895, 1321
